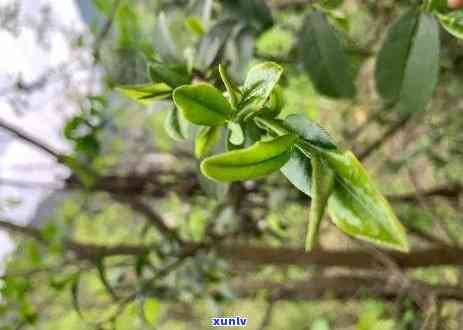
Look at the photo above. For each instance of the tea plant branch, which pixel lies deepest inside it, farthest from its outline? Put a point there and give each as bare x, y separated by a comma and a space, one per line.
381, 140
19, 133
346, 287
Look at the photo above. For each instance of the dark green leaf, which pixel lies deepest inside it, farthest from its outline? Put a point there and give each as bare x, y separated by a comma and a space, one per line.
322, 186
298, 170
325, 59
146, 93
202, 104
172, 75
175, 125
214, 42
206, 139
254, 162
401, 61
255, 12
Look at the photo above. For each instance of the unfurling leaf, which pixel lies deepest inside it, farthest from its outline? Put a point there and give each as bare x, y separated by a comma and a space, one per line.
322, 187
254, 162
275, 103
202, 104
236, 135
358, 208
172, 75
325, 59
232, 90
146, 93
261, 80
408, 64
206, 139
175, 125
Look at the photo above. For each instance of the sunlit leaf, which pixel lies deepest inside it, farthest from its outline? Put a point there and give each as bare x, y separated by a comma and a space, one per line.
262, 79
254, 162
453, 23
232, 90
202, 104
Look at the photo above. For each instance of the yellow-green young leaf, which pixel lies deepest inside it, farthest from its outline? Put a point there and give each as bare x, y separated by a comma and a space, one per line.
262, 79
236, 135
232, 90
322, 182
146, 93
172, 75
195, 25
453, 23
175, 125
358, 208
202, 104
206, 140
254, 162
151, 309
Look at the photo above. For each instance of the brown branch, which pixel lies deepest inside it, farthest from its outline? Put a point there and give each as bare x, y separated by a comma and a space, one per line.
17, 132
349, 287
447, 191
384, 137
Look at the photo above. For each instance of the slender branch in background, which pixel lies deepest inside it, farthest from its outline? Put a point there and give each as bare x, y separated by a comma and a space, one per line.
17, 132
383, 286
385, 137
267, 318
105, 30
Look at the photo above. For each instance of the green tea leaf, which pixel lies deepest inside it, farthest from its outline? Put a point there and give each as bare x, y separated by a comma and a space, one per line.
172, 75
310, 131
453, 23
236, 136
232, 90
206, 140
322, 187
275, 103
151, 309
175, 125
298, 171
324, 58
262, 79
358, 208
401, 61
202, 104
254, 162
146, 93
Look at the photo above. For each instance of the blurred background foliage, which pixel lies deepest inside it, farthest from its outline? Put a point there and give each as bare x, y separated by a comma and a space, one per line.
127, 175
